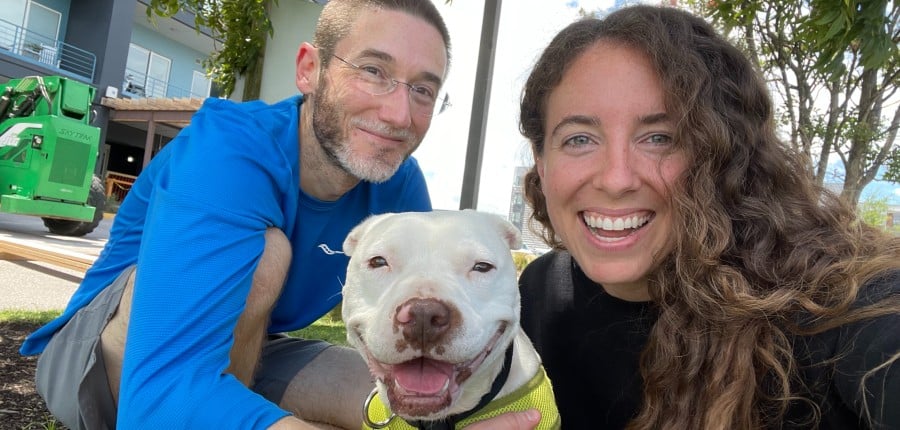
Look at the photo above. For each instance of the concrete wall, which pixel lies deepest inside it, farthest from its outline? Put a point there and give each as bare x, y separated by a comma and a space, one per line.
294, 23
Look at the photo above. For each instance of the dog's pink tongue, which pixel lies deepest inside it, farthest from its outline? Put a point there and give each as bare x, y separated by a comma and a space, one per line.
423, 376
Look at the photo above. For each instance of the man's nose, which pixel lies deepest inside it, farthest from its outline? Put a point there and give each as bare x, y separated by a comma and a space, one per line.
395, 108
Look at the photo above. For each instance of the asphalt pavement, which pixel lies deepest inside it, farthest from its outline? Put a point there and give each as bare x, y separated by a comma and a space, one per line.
32, 285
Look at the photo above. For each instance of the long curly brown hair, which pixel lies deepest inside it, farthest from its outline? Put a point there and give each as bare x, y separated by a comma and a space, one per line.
758, 246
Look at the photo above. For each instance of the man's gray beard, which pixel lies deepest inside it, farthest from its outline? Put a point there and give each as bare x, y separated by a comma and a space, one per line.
326, 123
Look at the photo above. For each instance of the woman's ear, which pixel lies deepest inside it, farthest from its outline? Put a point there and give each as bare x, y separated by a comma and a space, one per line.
307, 68
539, 166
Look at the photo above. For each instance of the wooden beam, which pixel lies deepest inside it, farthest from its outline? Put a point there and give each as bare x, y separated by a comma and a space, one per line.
179, 117
41, 252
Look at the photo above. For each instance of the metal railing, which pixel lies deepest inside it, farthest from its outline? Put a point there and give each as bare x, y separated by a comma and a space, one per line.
118, 185
51, 53
138, 85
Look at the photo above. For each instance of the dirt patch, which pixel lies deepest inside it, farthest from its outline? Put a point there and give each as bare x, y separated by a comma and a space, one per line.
20, 405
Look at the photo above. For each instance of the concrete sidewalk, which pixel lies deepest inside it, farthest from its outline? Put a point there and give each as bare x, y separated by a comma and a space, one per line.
32, 285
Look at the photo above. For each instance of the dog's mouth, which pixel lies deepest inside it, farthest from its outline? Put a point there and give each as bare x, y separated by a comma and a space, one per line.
423, 387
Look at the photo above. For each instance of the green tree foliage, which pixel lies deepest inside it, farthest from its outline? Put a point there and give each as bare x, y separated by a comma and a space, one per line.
873, 211
834, 67
522, 259
892, 168
240, 27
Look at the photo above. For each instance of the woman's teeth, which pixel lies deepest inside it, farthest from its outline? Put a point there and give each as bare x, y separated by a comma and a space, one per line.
616, 224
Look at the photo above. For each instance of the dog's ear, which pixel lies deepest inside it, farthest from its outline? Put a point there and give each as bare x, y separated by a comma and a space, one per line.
512, 234
507, 230
357, 233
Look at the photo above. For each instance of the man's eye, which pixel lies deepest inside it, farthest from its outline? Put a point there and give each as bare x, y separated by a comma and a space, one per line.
423, 91
483, 267
377, 261
371, 71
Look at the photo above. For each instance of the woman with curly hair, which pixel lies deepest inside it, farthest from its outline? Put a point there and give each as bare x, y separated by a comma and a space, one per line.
700, 279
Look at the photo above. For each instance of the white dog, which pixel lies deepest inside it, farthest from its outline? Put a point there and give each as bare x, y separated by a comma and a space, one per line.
432, 304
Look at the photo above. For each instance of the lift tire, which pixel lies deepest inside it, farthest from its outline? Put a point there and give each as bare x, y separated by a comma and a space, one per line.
97, 199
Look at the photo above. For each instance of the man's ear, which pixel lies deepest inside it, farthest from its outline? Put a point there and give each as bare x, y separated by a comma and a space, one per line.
307, 68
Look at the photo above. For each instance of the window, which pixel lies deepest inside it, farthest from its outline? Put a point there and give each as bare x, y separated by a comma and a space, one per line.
13, 13
42, 20
200, 85
146, 73
158, 75
42, 31
136, 70
30, 29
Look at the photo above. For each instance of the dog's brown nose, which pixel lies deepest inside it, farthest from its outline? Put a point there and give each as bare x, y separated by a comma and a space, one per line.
424, 322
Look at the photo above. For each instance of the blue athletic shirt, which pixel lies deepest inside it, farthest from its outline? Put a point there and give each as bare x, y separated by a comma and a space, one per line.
194, 224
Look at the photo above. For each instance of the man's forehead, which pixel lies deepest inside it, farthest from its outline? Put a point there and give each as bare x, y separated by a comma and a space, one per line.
396, 37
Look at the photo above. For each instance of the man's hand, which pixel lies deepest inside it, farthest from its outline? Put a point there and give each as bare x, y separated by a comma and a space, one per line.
526, 420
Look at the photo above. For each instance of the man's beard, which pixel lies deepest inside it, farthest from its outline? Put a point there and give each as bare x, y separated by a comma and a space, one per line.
327, 121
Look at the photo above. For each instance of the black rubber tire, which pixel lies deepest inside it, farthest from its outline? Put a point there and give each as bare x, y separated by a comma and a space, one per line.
97, 199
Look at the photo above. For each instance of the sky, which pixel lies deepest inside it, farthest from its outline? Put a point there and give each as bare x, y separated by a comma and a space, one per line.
526, 27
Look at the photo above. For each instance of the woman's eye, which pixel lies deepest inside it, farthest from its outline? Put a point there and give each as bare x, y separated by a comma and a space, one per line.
660, 139
377, 261
579, 140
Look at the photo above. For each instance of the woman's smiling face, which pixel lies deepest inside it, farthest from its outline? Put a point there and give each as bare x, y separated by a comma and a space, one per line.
608, 165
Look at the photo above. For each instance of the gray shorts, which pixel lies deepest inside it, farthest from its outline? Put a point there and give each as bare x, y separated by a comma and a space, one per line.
71, 375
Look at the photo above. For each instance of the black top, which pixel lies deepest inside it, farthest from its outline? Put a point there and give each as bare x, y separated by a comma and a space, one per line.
590, 343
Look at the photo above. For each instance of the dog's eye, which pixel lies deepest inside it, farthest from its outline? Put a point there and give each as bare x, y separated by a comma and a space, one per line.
377, 261
483, 267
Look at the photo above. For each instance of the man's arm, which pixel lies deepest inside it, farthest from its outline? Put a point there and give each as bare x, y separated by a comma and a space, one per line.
202, 240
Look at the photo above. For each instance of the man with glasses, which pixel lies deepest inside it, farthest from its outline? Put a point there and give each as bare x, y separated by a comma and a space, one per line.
233, 234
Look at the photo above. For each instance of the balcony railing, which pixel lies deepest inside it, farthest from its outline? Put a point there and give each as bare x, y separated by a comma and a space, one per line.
50, 52
137, 85
118, 185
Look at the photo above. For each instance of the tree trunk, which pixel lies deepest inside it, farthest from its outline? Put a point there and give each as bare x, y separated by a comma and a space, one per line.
254, 73
860, 141
253, 78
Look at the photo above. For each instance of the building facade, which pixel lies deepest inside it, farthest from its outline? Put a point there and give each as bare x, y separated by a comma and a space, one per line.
520, 214
149, 76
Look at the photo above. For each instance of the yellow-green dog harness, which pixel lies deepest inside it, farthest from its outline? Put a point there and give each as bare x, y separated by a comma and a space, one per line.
537, 393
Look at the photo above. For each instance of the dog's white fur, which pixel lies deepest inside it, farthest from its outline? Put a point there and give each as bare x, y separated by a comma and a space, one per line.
461, 259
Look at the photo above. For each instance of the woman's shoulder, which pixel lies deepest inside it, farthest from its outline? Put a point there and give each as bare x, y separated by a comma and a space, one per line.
873, 326
879, 288
866, 353
551, 265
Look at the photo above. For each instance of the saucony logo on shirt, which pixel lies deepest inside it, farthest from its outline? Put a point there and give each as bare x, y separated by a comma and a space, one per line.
328, 251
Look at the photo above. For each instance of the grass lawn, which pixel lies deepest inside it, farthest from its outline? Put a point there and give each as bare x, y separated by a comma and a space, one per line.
328, 328
34, 317
23, 405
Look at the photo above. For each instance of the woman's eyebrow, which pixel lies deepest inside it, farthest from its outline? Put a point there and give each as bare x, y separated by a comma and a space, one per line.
576, 119
654, 118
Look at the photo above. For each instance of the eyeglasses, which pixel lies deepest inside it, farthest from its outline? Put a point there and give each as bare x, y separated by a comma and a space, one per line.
374, 81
